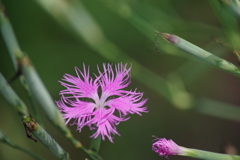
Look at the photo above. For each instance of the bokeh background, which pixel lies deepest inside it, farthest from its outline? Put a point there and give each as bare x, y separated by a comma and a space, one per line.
55, 49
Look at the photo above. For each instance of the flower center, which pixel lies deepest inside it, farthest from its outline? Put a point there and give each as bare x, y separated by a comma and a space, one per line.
100, 100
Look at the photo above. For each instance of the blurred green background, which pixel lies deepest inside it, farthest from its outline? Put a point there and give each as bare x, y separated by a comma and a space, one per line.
56, 49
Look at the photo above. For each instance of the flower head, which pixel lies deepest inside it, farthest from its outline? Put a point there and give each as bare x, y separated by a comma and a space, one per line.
166, 147
100, 103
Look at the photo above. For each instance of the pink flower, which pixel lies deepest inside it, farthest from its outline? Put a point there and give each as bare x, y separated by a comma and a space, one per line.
93, 102
166, 147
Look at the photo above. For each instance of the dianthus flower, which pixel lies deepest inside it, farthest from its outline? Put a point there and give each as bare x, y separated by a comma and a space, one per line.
100, 103
166, 147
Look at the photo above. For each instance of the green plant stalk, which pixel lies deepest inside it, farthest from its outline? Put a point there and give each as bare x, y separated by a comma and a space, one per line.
31, 99
33, 80
44, 99
95, 142
12, 98
73, 14
44, 138
206, 155
40, 92
188, 73
6, 140
8, 35
13, 47
91, 154
200, 53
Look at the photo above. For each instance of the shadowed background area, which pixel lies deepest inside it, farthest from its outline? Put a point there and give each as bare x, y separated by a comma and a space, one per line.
56, 48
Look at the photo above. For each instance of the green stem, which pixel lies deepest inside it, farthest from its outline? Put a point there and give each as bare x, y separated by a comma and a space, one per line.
95, 143
200, 53
8, 35
34, 84
27, 152
32, 101
6, 140
34, 108
13, 48
12, 98
33, 127
91, 154
206, 155
43, 97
